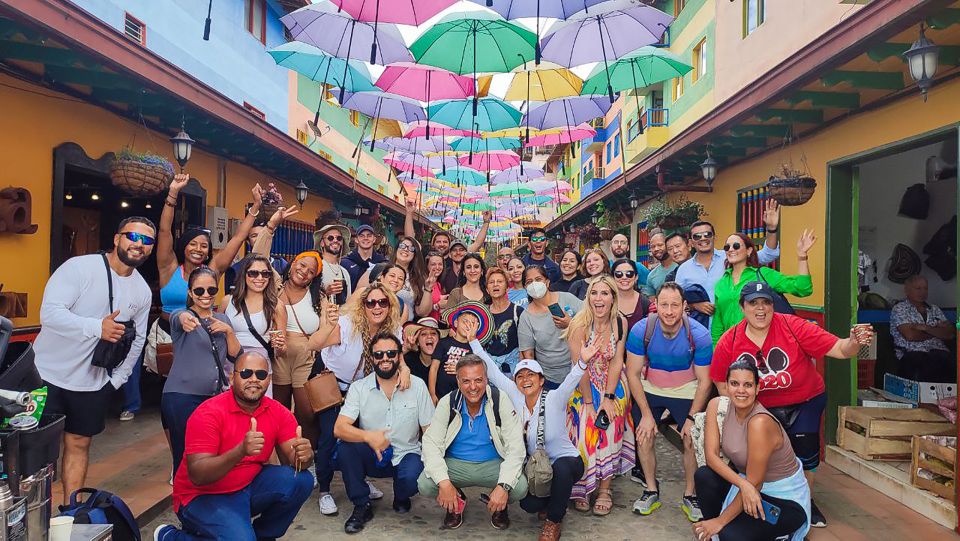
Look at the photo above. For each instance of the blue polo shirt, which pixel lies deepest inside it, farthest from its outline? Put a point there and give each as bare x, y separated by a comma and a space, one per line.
553, 270
473, 443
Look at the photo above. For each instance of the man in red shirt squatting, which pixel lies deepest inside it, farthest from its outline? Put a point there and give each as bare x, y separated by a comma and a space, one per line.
224, 480
784, 349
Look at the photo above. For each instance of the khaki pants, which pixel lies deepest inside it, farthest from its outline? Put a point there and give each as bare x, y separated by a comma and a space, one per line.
471, 474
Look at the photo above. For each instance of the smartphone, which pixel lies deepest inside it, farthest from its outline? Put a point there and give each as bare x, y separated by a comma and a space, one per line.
771, 513
602, 421
485, 498
556, 311
461, 505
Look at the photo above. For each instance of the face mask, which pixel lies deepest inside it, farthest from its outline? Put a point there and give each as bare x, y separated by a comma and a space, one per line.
536, 290
386, 374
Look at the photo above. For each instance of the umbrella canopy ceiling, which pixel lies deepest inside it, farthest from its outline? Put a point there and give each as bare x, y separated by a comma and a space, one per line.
474, 42
322, 26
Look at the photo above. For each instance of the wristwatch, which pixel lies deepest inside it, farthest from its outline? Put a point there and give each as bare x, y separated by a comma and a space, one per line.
506, 487
610, 396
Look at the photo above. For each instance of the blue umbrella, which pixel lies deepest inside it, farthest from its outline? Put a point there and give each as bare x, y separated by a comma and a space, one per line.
473, 144
492, 114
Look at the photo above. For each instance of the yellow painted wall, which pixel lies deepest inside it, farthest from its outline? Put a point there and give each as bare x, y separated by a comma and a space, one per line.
33, 125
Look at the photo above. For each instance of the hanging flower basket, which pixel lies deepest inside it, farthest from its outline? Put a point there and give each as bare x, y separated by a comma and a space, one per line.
791, 189
680, 214
270, 203
606, 233
140, 174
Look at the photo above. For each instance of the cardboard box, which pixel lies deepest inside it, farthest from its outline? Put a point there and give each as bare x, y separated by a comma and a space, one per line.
918, 392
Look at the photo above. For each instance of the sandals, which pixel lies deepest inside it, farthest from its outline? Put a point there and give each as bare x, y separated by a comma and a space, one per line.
604, 502
582, 505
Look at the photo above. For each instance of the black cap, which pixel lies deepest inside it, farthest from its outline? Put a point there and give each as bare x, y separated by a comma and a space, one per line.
756, 290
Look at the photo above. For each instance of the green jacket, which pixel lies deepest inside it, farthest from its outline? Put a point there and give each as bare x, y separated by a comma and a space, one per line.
727, 294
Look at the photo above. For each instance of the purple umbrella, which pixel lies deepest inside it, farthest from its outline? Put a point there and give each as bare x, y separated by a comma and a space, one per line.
421, 161
525, 170
607, 32
566, 112
418, 144
383, 105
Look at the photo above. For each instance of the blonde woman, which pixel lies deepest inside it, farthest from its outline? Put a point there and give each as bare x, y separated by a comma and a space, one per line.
603, 396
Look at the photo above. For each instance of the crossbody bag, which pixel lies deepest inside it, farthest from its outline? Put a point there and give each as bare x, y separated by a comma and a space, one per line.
323, 390
246, 317
110, 355
538, 469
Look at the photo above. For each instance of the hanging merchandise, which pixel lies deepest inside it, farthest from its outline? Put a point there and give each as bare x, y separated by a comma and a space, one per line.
915, 202
866, 270
903, 264
942, 252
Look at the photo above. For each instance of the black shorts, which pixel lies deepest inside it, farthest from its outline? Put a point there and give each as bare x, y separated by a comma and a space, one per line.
85, 411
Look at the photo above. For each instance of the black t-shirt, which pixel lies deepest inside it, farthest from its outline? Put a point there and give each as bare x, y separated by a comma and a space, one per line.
504, 338
449, 350
412, 358
563, 284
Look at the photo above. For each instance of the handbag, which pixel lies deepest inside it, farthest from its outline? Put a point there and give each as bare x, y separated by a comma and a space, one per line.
780, 303
158, 353
110, 355
698, 431
538, 469
323, 390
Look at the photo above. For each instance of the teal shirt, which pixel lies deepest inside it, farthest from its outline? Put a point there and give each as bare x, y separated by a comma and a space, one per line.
656, 278
727, 294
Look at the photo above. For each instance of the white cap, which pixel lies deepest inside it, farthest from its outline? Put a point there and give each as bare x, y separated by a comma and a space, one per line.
528, 364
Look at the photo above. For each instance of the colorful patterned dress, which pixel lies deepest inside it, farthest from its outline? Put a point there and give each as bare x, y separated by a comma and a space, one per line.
605, 453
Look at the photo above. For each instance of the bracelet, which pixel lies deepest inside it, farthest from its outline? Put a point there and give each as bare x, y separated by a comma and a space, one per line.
585, 403
253, 213
691, 419
802, 258
271, 229
610, 396
771, 231
169, 204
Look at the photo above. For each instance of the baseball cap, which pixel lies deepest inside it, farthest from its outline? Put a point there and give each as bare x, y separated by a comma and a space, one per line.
528, 364
756, 290
363, 228
460, 242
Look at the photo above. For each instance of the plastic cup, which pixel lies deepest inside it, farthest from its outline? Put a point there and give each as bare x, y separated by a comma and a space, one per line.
61, 528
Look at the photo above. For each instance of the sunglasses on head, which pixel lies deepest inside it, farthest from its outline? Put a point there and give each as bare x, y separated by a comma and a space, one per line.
538, 238
382, 303
133, 236
624, 274
702, 236
261, 274
332, 238
734, 246
199, 291
390, 354
247, 373
408, 247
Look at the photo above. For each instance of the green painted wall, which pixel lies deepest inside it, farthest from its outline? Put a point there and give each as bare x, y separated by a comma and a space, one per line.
693, 91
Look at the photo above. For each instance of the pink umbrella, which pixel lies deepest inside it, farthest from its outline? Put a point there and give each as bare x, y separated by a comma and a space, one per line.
491, 161
418, 129
560, 137
412, 12
414, 167
424, 83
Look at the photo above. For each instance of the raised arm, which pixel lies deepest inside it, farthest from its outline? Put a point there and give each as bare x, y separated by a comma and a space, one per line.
846, 348
482, 234
166, 257
408, 225
497, 378
329, 332
224, 258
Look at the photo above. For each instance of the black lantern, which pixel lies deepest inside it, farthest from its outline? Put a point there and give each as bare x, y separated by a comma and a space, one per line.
302, 191
709, 169
634, 201
922, 58
595, 217
182, 147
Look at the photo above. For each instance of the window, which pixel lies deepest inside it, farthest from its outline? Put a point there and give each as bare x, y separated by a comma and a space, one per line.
677, 88
355, 118
134, 29
699, 60
753, 15
678, 6
302, 137
325, 155
253, 110
255, 15
609, 153
616, 145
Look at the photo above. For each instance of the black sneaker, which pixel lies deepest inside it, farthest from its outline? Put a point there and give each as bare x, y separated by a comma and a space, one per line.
361, 515
636, 475
817, 520
402, 506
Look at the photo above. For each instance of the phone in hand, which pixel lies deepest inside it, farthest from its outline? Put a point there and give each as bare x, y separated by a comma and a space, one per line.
771, 512
556, 311
602, 421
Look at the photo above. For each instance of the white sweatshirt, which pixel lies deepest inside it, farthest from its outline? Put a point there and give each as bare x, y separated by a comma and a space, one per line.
75, 301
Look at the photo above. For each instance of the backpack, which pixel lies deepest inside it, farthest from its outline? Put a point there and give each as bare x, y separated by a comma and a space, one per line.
652, 325
102, 507
456, 396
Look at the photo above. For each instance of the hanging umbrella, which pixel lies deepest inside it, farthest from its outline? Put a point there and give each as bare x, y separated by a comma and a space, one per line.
424, 83
511, 189
418, 144
474, 144
418, 129
412, 12
322, 67
543, 84
463, 176
604, 34
561, 136
567, 112
514, 175
490, 161
382, 105
490, 114
413, 166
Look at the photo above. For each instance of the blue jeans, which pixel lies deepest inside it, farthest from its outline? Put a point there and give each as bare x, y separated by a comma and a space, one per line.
357, 461
275, 494
326, 443
176, 409
131, 389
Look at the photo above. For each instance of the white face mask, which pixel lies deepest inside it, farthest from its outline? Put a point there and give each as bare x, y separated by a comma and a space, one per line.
536, 290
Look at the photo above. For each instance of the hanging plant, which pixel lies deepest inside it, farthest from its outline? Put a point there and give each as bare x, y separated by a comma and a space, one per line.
675, 215
140, 173
791, 187
269, 203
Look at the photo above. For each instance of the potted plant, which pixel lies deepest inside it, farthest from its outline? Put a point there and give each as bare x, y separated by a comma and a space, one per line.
269, 203
607, 221
140, 173
791, 187
673, 216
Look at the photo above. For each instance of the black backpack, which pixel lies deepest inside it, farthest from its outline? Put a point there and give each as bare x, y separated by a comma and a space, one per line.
102, 507
457, 396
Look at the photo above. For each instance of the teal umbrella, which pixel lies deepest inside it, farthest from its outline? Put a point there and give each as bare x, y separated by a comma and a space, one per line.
463, 176
490, 114
474, 144
510, 189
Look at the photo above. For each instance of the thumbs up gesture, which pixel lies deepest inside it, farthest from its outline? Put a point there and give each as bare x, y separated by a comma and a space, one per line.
253, 441
302, 450
111, 331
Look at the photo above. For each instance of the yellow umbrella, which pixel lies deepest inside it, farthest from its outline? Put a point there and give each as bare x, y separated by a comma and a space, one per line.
385, 127
521, 131
544, 84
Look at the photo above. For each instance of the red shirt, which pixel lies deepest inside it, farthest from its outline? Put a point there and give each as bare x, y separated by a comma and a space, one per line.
219, 425
787, 373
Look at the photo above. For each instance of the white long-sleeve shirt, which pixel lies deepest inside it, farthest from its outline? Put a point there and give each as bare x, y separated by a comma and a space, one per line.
75, 301
555, 437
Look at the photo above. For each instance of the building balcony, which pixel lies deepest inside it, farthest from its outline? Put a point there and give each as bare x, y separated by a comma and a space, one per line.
596, 143
654, 135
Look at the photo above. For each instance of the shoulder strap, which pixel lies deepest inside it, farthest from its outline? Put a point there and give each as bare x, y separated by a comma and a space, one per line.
541, 440
495, 396
109, 279
619, 328
648, 332
454, 399
786, 322
294, 310
686, 327
214, 350
253, 331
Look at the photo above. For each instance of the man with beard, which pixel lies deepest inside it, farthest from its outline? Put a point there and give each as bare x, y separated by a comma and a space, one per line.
620, 248
420, 341
334, 279
363, 257
88, 299
379, 430
225, 479
658, 274
538, 254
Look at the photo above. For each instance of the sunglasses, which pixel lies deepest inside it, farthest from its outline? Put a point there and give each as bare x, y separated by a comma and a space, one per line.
734, 246
247, 373
389, 354
199, 291
505, 256
538, 239
261, 274
624, 274
372, 303
333, 238
702, 236
408, 247
133, 236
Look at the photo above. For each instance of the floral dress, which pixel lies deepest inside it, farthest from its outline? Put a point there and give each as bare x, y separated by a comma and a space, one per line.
609, 452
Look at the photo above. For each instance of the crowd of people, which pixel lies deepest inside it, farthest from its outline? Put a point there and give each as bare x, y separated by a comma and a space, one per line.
538, 376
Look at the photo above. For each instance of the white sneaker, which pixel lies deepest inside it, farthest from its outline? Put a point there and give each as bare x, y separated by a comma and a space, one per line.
375, 493
328, 506
126, 415
162, 530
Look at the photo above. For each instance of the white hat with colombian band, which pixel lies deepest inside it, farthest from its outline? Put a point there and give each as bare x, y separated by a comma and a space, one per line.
528, 364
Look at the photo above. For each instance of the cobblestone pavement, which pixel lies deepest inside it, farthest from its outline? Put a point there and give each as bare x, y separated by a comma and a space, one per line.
666, 524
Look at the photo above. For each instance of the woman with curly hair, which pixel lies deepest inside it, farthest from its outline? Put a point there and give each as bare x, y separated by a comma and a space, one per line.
343, 342
416, 297
599, 411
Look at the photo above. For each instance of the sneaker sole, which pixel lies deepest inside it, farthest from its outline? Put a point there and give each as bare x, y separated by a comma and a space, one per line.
650, 511
637, 480
690, 517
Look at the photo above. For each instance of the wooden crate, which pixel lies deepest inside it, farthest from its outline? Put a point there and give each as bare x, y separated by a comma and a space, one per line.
938, 459
887, 434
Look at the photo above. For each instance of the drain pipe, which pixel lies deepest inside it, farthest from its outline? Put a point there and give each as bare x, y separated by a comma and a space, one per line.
663, 187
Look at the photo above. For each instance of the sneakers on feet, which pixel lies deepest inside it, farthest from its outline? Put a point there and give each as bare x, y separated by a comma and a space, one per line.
362, 514
647, 503
817, 520
636, 475
126, 415
375, 493
162, 532
691, 507
328, 506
